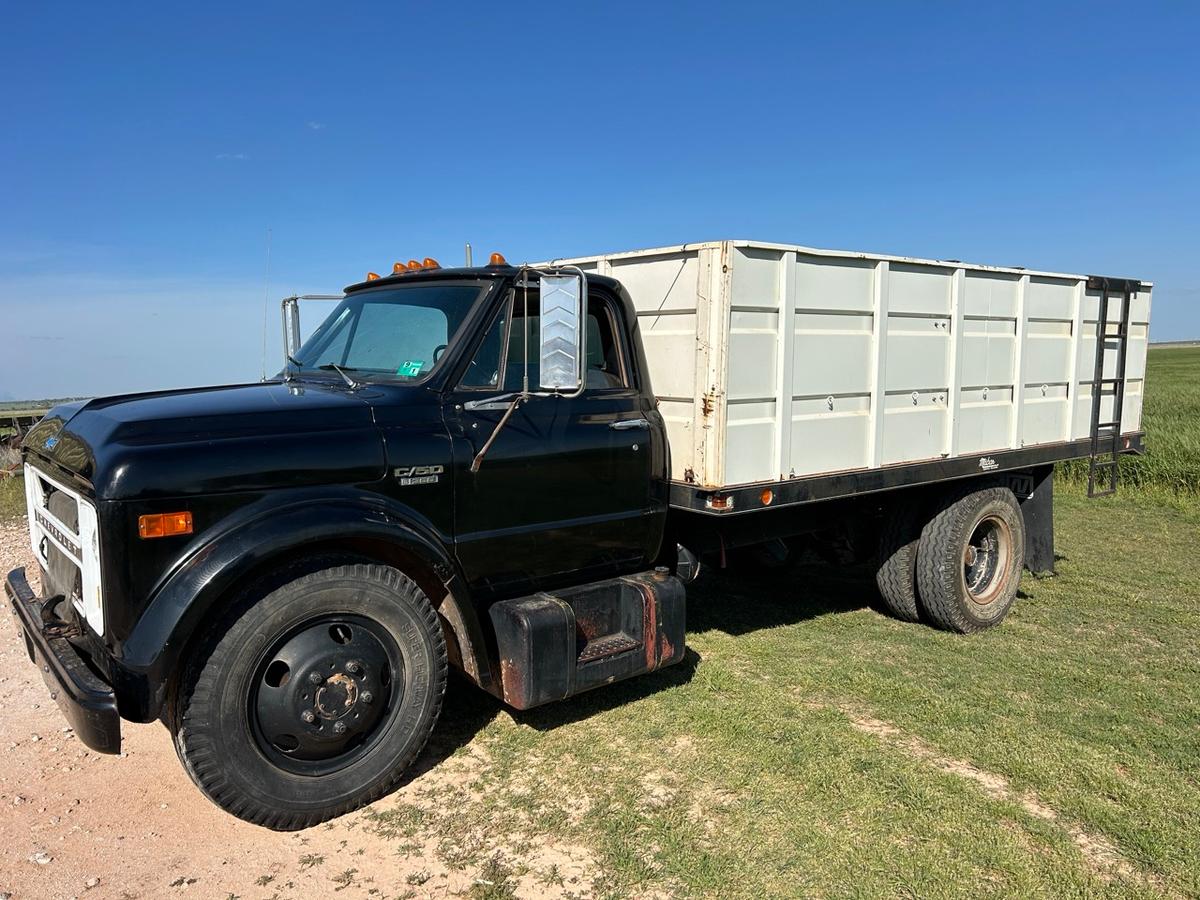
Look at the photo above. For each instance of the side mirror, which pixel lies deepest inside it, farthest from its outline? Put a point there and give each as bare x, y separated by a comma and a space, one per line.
561, 355
290, 310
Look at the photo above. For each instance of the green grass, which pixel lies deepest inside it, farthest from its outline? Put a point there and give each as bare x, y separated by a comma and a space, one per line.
810, 746
1171, 418
742, 772
12, 498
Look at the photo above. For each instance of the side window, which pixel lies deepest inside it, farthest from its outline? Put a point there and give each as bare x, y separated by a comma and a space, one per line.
604, 361
484, 369
604, 369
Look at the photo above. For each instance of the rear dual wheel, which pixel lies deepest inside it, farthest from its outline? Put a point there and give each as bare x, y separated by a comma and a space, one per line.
960, 568
970, 558
313, 700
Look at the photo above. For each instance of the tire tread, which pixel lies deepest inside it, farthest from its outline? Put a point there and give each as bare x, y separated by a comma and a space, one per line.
192, 732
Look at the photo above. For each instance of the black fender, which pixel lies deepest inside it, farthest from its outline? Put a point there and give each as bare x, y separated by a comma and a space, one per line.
215, 571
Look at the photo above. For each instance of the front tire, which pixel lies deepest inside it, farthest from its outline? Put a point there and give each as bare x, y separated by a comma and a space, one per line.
970, 558
315, 699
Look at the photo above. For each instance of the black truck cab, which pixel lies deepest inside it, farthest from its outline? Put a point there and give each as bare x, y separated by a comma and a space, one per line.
284, 569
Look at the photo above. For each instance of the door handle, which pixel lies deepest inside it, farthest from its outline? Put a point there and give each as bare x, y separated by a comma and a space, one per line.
629, 424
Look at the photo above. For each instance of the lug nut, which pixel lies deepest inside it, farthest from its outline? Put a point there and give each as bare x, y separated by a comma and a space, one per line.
315, 677
353, 667
366, 696
308, 716
339, 727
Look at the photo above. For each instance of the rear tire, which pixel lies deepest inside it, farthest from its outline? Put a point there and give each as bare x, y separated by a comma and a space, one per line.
970, 558
314, 700
896, 575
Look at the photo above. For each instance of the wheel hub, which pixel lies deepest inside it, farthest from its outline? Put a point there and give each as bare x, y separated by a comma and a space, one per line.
985, 559
324, 691
336, 697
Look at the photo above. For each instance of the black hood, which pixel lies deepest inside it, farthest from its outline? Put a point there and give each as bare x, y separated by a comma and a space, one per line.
208, 440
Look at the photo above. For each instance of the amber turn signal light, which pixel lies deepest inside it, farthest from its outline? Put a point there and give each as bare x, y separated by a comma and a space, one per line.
164, 525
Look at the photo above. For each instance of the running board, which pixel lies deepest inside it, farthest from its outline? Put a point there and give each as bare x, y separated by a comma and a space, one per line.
554, 646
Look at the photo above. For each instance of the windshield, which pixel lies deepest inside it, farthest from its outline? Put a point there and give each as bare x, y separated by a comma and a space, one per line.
400, 332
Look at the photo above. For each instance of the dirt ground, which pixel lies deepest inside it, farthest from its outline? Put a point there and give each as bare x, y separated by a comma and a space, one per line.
74, 823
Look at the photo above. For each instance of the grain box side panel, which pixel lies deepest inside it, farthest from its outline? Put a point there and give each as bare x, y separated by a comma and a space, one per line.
1135, 366
988, 371
917, 369
833, 357
1049, 316
665, 291
750, 392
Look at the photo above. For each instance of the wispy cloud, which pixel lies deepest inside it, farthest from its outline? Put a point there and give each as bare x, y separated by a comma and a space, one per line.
233, 156
315, 126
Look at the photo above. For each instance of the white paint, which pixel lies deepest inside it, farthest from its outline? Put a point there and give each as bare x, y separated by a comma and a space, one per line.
773, 361
86, 538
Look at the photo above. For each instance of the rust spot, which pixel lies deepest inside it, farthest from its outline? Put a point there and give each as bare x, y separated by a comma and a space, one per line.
336, 696
513, 682
707, 402
649, 625
666, 651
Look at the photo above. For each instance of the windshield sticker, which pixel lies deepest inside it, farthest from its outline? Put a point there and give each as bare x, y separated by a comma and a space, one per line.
411, 367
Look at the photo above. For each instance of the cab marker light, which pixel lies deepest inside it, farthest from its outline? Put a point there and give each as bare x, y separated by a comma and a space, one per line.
399, 268
414, 264
372, 276
430, 263
498, 260
158, 525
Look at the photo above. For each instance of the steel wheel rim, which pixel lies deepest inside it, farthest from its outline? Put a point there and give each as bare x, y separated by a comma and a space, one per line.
985, 559
325, 692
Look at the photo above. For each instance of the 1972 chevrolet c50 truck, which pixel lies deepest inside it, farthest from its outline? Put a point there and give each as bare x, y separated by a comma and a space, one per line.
470, 467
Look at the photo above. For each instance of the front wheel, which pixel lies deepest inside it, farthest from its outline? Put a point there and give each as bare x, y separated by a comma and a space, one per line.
313, 700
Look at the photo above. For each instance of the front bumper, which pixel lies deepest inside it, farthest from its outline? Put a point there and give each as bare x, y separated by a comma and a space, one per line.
89, 704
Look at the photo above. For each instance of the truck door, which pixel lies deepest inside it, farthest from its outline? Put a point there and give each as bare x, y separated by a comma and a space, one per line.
568, 491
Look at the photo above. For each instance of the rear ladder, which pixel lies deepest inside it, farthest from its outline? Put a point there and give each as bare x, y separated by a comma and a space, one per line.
1103, 466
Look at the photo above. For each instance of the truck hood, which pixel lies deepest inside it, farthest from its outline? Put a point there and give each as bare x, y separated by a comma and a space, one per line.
212, 440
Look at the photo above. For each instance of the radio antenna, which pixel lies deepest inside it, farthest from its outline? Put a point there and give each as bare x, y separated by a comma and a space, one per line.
266, 305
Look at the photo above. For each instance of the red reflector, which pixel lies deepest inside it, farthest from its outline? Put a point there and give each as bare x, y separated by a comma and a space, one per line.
164, 524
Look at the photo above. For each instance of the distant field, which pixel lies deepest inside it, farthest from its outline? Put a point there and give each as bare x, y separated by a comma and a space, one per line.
1171, 418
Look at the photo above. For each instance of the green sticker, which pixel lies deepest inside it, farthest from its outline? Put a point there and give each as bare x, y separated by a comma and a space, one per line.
411, 367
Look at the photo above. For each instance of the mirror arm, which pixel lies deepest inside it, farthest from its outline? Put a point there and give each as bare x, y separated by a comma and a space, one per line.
512, 407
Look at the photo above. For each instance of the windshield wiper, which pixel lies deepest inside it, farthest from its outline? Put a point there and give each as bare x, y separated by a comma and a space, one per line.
333, 367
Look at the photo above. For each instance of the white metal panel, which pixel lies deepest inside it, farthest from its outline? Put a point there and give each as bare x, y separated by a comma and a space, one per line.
779, 360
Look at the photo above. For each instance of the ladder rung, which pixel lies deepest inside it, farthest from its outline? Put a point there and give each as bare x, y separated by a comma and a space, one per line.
1108, 424
1108, 381
1098, 464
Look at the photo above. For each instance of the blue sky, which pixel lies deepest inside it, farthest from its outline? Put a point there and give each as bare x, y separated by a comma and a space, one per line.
146, 149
